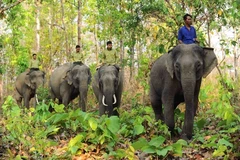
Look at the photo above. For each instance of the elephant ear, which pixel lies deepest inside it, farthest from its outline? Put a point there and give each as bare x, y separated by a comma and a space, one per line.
69, 77
28, 81
169, 63
210, 61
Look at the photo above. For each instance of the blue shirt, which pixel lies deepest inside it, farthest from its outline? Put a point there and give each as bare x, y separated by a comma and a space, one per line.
187, 36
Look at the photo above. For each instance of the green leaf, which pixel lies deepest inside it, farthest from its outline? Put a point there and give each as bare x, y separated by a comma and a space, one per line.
142, 142
58, 117
149, 149
157, 141
51, 130
220, 151
225, 142
201, 123
163, 152
59, 108
77, 139
113, 124
182, 142
138, 129
177, 147
93, 124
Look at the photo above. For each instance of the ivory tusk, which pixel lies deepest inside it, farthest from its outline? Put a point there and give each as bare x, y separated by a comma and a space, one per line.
114, 99
103, 101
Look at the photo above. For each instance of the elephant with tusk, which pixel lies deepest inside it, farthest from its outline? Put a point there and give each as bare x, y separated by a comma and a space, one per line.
26, 85
107, 86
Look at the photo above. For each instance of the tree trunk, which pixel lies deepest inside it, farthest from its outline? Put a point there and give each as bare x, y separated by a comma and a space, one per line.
64, 29
96, 42
235, 58
37, 2
79, 23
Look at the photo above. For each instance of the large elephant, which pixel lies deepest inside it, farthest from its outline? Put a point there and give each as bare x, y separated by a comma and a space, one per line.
26, 85
176, 77
68, 81
107, 87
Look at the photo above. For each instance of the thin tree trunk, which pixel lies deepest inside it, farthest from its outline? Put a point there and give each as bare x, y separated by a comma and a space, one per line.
37, 2
96, 41
208, 33
79, 22
64, 28
235, 58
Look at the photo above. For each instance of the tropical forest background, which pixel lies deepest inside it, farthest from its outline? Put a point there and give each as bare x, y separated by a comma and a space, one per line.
141, 31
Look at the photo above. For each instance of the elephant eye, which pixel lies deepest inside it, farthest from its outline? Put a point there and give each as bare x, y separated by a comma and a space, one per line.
100, 83
116, 82
198, 65
177, 66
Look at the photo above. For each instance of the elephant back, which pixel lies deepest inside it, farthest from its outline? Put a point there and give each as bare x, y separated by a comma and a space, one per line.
60, 72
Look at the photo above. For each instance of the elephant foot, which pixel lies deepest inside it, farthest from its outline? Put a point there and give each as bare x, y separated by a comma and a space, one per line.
159, 117
186, 137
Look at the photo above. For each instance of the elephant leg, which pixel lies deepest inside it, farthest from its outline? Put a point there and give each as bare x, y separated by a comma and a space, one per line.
157, 107
168, 103
18, 98
53, 97
26, 101
66, 99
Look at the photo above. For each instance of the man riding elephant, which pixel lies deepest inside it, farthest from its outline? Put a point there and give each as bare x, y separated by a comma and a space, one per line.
109, 55
108, 82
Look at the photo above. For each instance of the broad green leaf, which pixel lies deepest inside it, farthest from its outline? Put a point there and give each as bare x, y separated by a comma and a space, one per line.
142, 142
113, 124
93, 124
138, 129
157, 141
75, 140
51, 130
59, 108
149, 149
225, 142
182, 142
164, 151
201, 123
220, 151
58, 117
177, 149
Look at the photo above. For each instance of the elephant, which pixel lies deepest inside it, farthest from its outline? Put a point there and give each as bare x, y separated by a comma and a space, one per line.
176, 77
107, 86
68, 81
26, 85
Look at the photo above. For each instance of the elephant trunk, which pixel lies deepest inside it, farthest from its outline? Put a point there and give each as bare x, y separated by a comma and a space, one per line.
188, 85
108, 101
83, 97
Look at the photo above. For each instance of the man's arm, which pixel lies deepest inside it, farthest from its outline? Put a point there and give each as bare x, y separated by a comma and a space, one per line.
101, 57
30, 65
195, 36
180, 36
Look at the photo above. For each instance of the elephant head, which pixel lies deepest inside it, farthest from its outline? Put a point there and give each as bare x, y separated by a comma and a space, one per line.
79, 77
188, 64
108, 82
34, 79
192, 59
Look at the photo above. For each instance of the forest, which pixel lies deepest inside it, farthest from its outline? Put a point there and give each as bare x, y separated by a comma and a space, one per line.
141, 31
